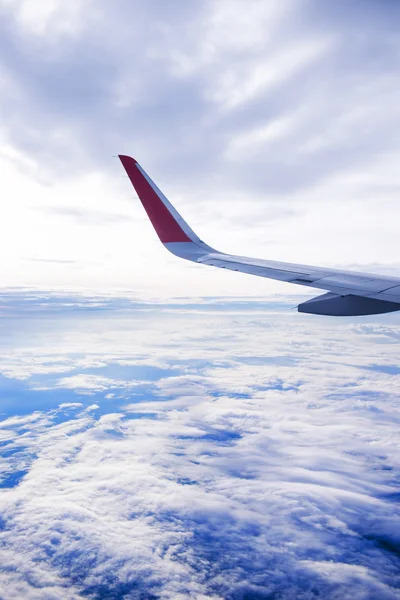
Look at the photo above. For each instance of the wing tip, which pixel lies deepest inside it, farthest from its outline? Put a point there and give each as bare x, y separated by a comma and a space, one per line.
125, 159
165, 219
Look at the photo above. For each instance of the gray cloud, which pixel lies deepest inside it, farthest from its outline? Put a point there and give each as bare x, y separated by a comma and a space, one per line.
152, 89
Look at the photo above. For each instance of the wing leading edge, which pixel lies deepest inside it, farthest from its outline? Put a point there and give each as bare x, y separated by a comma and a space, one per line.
349, 293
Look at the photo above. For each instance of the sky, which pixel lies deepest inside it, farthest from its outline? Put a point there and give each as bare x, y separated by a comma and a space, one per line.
271, 126
170, 431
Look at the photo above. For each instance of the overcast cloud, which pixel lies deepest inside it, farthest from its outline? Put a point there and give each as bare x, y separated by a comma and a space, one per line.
272, 126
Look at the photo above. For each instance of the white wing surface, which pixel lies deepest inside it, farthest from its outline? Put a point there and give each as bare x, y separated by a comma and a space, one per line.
349, 293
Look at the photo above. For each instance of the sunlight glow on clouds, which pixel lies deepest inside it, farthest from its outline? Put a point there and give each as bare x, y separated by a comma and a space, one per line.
48, 17
269, 125
245, 86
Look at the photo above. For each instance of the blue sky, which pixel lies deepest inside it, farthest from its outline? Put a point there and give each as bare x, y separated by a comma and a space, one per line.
271, 126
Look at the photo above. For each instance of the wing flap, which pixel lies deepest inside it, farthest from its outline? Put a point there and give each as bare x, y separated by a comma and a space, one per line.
393, 291
253, 267
355, 282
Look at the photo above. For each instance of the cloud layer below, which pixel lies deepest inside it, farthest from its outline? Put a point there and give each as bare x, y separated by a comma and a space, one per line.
144, 456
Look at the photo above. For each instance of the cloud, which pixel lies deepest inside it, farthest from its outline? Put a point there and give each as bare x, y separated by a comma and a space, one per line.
50, 17
89, 382
381, 332
85, 215
258, 461
271, 127
196, 447
285, 72
49, 260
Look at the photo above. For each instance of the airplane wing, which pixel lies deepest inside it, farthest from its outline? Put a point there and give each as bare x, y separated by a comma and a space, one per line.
349, 293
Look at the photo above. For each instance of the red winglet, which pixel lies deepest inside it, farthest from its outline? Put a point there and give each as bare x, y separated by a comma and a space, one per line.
166, 226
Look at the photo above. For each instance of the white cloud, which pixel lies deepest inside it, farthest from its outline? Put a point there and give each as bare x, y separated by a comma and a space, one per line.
49, 17
88, 382
359, 578
250, 81
271, 458
249, 142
